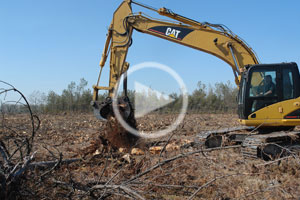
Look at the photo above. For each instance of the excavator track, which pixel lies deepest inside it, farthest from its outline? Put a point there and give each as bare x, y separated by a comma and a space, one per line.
222, 137
250, 145
268, 146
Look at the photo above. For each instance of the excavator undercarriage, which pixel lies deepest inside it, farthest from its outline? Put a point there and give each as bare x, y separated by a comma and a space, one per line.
256, 143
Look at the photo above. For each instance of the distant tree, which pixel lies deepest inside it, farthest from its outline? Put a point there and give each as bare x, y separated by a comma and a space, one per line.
197, 100
37, 101
227, 96
52, 102
212, 101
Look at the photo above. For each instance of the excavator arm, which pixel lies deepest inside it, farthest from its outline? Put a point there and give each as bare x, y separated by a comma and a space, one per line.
210, 38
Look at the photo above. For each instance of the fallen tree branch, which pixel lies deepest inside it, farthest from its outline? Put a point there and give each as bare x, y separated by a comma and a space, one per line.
206, 184
54, 167
116, 187
48, 164
16, 173
110, 181
4, 155
258, 191
85, 188
274, 161
164, 185
217, 178
175, 158
167, 142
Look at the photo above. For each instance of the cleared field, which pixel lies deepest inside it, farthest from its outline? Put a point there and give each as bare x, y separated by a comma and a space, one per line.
173, 167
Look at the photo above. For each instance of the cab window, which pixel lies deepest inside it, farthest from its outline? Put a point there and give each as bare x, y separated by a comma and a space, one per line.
263, 83
263, 89
288, 84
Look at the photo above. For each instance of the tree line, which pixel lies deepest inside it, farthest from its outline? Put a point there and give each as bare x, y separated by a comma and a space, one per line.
75, 98
219, 98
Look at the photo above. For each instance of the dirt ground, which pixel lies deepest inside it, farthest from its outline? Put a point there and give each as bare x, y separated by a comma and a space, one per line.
179, 171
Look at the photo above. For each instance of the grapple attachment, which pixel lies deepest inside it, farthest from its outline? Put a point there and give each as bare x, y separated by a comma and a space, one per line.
115, 133
105, 109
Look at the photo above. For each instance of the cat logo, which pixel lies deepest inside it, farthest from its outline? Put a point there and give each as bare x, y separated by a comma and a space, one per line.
172, 32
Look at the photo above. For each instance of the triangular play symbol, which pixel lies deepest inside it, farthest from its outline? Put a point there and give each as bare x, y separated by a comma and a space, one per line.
147, 100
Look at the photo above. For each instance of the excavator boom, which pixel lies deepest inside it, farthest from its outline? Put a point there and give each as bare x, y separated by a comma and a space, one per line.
213, 39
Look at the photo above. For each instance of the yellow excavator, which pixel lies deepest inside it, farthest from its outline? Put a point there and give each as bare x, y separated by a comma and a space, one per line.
269, 94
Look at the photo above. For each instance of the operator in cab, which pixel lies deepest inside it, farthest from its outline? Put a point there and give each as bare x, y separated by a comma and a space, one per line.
268, 88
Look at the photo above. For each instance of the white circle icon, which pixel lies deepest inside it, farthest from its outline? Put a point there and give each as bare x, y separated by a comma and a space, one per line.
148, 106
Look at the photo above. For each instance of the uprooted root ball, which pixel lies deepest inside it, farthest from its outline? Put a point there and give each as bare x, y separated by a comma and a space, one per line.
118, 136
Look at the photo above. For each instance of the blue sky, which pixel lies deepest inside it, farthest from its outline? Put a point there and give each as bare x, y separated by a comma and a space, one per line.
44, 45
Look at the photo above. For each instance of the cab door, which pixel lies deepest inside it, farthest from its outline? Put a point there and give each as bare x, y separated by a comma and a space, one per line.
263, 88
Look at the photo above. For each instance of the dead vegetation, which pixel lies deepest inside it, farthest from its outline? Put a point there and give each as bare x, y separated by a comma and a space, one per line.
70, 158
178, 169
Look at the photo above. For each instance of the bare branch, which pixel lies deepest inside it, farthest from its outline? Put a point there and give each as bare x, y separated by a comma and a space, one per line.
273, 161
47, 164
175, 158
54, 167
116, 187
4, 155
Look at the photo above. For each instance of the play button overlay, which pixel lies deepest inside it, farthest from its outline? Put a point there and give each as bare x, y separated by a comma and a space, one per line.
143, 104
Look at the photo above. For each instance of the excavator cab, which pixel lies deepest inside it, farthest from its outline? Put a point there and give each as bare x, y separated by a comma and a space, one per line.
265, 84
